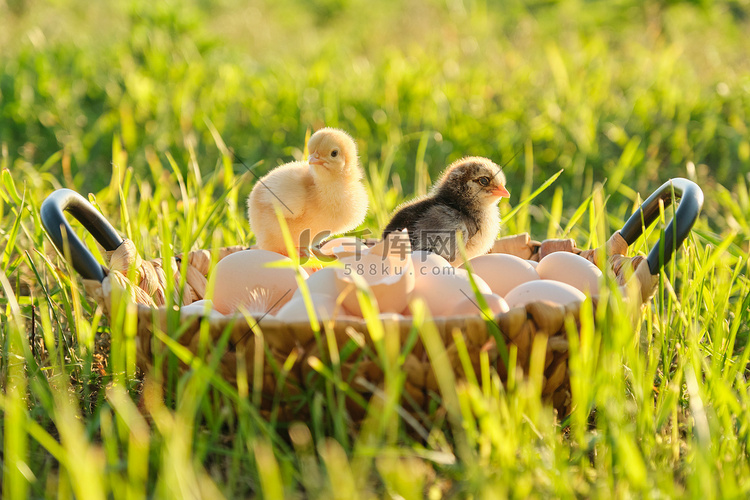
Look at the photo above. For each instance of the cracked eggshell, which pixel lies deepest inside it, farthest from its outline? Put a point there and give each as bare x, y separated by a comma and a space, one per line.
244, 281
503, 272
572, 269
468, 306
549, 290
441, 292
386, 269
343, 247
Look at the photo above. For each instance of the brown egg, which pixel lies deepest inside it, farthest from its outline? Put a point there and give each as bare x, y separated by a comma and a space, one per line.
428, 263
243, 281
503, 272
442, 290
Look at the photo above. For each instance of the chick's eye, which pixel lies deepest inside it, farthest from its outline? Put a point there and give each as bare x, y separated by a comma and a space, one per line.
334, 153
484, 181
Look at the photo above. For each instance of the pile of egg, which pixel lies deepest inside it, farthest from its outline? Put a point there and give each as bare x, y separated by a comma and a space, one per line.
260, 282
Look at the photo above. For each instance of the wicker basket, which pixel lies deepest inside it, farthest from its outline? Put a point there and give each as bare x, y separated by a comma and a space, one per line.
360, 367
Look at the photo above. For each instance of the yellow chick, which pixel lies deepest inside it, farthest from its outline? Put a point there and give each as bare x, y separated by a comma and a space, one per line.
318, 197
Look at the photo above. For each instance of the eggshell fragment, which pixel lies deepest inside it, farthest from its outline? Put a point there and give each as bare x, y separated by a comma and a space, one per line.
469, 305
503, 272
295, 310
244, 281
386, 269
572, 269
343, 247
553, 291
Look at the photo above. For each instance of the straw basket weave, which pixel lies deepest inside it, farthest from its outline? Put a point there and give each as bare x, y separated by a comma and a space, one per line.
360, 367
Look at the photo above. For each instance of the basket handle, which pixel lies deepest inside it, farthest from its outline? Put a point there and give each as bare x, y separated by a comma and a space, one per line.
53, 220
691, 201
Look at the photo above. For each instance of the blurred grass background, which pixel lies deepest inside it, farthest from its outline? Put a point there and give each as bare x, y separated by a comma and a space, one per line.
134, 102
605, 90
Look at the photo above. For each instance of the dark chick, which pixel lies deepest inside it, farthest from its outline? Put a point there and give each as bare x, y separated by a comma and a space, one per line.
464, 199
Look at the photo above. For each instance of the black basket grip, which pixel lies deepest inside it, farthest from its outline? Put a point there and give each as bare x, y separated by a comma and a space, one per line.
691, 201
66, 200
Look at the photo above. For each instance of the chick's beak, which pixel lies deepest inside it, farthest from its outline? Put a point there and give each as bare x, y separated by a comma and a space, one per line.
314, 159
501, 192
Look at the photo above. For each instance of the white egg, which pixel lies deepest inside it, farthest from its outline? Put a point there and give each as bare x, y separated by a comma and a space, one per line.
198, 308
321, 281
199, 305
244, 281
549, 290
469, 305
572, 269
295, 310
503, 272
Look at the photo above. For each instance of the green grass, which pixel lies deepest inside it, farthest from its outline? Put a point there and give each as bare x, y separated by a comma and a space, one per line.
139, 104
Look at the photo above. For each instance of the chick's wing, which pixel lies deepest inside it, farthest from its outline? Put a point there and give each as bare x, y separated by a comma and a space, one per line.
287, 186
435, 231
